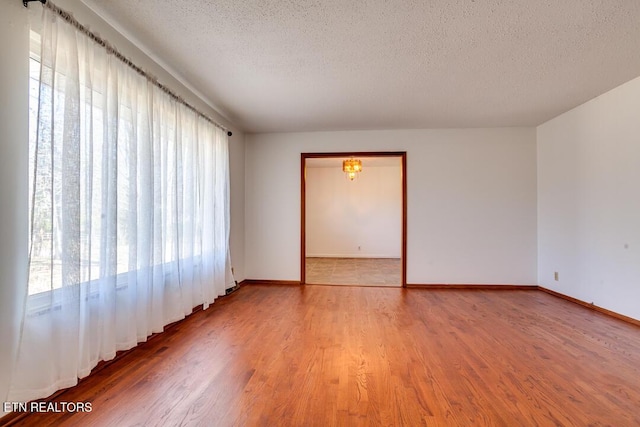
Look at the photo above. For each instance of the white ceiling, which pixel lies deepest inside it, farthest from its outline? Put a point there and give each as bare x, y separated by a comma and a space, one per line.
367, 162
299, 65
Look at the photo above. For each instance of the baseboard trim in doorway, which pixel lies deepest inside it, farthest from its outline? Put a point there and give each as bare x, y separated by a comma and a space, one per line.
591, 306
472, 287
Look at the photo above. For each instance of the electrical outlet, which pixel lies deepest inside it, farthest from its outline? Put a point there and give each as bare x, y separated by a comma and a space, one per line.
555, 276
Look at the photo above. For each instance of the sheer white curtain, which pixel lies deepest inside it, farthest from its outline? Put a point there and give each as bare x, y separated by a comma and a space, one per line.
129, 212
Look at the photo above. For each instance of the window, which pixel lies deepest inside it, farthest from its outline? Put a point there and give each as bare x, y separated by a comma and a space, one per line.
129, 203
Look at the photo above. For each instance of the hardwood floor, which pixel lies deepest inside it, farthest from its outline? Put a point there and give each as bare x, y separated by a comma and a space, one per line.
354, 271
349, 356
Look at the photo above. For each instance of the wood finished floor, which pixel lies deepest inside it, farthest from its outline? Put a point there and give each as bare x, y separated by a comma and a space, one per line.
349, 356
354, 271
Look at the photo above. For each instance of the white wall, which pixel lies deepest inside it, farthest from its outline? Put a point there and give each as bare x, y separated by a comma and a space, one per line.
589, 201
14, 156
236, 172
14, 57
471, 201
360, 218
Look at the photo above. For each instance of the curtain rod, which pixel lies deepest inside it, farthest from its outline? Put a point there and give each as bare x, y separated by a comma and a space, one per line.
113, 51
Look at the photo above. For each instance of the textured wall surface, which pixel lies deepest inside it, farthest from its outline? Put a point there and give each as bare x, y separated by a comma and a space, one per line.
283, 65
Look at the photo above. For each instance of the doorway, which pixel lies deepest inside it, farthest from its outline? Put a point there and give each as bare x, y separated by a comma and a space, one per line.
362, 251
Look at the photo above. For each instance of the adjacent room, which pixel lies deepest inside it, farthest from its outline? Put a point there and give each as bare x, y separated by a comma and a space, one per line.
353, 220
328, 213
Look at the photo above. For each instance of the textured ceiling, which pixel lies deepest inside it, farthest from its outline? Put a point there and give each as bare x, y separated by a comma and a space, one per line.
295, 65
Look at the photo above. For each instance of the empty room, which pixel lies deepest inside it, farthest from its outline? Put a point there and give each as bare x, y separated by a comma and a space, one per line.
320, 213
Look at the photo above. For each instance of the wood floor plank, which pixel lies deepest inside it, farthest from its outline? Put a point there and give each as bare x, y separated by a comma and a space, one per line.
349, 356
354, 271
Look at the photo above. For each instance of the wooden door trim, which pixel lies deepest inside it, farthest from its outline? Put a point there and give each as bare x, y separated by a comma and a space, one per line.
303, 196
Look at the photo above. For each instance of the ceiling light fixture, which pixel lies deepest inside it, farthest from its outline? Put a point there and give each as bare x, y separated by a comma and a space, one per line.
352, 167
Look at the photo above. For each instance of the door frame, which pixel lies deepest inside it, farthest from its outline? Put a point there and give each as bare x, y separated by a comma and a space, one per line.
347, 154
